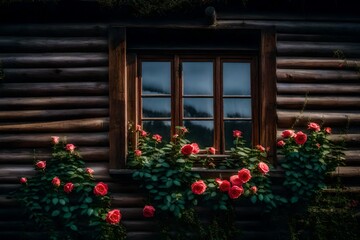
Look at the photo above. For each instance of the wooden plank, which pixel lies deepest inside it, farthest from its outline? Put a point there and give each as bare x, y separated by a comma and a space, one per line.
317, 63
53, 60
56, 74
317, 37
328, 102
318, 89
132, 97
117, 98
347, 172
316, 76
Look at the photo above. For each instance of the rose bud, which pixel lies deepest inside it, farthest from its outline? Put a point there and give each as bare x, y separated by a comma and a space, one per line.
23, 180
41, 164
56, 182
55, 140
148, 211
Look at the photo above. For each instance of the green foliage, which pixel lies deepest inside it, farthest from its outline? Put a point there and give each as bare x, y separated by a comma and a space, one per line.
67, 213
307, 164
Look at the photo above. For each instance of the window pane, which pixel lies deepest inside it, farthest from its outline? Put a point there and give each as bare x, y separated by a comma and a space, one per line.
198, 107
237, 108
236, 78
158, 127
156, 77
201, 132
156, 107
198, 78
230, 126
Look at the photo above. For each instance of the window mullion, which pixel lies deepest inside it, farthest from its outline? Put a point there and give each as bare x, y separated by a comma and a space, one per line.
177, 95
218, 125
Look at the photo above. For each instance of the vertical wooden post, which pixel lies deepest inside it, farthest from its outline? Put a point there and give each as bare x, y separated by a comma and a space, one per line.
117, 98
268, 92
133, 94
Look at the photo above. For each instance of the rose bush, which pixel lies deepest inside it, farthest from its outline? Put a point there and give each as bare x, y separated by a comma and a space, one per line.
63, 200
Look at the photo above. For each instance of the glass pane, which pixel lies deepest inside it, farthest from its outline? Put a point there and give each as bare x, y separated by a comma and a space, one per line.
236, 78
198, 107
156, 77
198, 78
156, 107
163, 128
243, 126
201, 132
237, 108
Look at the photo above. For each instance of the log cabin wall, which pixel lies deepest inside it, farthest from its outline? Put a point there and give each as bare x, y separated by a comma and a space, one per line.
56, 83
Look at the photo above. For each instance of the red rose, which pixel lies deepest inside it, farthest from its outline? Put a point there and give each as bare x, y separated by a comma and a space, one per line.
287, 133
281, 143
224, 185
100, 189
196, 148
237, 133
253, 189
260, 148
68, 187
113, 217
138, 128
244, 175
23, 180
55, 139
137, 153
56, 182
148, 211
198, 187
70, 147
314, 127
235, 192
89, 171
212, 150
263, 167
187, 149
235, 180
41, 164
143, 133
327, 130
184, 129
157, 137
300, 138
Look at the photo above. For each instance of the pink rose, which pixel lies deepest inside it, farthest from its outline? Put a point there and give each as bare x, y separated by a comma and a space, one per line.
235, 180
89, 171
260, 148
113, 217
56, 182
327, 130
237, 134
68, 187
253, 189
244, 175
281, 143
138, 128
235, 192
137, 153
314, 127
157, 138
143, 133
70, 147
212, 150
23, 180
196, 148
263, 167
224, 185
184, 130
175, 136
41, 164
300, 138
287, 134
100, 189
198, 187
55, 140
148, 211
187, 149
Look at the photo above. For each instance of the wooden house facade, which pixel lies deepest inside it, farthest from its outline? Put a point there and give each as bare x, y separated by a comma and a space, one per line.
78, 79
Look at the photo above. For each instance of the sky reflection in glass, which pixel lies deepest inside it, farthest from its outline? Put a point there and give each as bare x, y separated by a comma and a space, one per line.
198, 78
198, 107
236, 78
156, 107
156, 77
237, 108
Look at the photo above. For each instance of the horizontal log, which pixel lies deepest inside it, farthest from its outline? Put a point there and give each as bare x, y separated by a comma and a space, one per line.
317, 37
51, 60
335, 102
56, 74
317, 49
327, 118
16, 156
22, 235
127, 200
53, 102
63, 114
54, 29
52, 44
317, 63
318, 89
347, 172
316, 76
77, 125
38, 140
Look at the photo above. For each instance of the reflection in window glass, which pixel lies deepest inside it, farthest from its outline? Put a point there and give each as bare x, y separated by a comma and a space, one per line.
158, 127
237, 108
156, 107
198, 107
156, 77
201, 132
198, 78
243, 126
236, 78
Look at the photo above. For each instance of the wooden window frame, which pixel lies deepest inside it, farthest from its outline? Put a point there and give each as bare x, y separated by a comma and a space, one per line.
123, 107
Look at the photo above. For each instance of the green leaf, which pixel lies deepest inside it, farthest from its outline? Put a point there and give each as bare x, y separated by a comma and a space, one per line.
88, 200
73, 227
55, 201
253, 199
67, 215
294, 199
261, 197
90, 211
55, 213
62, 201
